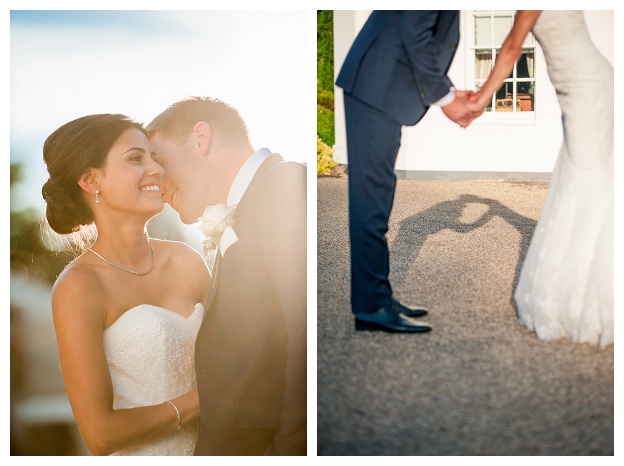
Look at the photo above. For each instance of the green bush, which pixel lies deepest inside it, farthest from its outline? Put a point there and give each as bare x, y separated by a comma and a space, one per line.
325, 99
324, 159
325, 90
325, 125
325, 50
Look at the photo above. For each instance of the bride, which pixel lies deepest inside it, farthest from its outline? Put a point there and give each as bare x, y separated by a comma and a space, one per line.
126, 311
566, 283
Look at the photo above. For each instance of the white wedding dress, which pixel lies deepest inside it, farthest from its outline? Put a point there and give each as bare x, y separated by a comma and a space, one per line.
150, 354
566, 284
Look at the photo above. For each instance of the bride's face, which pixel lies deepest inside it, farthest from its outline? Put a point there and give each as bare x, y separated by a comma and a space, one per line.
130, 179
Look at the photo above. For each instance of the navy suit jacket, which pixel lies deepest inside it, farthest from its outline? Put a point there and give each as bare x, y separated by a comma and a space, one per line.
250, 355
399, 60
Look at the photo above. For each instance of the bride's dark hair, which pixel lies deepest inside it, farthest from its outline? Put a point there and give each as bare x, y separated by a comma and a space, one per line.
68, 152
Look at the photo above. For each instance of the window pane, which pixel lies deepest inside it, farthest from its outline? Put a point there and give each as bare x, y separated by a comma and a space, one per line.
483, 31
505, 90
502, 26
504, 98
525, 94
483, 63
525, 66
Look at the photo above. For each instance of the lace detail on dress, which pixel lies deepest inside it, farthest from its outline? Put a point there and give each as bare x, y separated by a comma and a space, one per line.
150, 363
154, 362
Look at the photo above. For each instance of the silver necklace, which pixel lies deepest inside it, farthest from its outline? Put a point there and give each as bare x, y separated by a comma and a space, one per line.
128, 270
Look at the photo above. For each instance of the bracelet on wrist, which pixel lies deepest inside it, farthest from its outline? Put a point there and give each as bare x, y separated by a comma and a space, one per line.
177, 413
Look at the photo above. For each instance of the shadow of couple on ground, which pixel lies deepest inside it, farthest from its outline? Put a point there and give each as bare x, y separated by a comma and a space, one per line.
414, 231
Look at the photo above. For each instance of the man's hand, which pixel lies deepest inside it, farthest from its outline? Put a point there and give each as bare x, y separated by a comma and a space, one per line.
458, 110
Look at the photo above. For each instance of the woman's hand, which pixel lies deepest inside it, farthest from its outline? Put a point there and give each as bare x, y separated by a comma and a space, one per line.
476, 102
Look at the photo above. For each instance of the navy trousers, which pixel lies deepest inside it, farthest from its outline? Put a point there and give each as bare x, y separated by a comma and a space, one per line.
373, 141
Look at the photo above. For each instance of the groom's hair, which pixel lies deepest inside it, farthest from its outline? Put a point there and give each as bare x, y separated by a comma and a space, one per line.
177, 121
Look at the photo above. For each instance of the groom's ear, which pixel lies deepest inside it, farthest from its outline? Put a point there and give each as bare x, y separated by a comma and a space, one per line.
89, 181
203, 136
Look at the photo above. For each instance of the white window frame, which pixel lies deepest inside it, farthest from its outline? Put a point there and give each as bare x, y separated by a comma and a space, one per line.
498, 118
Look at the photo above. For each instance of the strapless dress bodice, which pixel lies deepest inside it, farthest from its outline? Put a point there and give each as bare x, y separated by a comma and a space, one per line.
150, 354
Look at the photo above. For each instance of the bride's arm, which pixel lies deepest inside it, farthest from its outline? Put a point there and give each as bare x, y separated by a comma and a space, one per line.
508, 55
79, 319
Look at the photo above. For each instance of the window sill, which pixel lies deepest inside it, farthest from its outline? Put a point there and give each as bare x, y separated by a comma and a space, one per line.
506, 119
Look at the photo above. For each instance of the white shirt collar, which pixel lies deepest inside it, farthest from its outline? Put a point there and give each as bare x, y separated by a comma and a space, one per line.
245, 175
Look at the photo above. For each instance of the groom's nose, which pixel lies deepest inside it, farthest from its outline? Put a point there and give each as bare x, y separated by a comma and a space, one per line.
156, 169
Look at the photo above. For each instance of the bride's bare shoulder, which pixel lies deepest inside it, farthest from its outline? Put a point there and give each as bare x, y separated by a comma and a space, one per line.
173, 247
185, 263
178, 251
78, 272
77, 288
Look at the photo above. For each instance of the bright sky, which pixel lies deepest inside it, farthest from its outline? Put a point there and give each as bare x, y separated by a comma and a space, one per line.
66, 64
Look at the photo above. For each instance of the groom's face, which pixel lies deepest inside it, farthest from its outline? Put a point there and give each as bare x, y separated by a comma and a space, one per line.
182, 181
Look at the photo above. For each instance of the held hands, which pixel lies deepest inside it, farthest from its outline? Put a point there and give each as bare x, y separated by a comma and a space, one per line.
464, 109
477, 101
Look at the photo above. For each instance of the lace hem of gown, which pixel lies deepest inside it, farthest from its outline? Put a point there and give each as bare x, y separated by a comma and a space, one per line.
566, 284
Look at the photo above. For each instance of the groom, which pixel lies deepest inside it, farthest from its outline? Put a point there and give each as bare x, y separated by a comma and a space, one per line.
395, 70
250, 355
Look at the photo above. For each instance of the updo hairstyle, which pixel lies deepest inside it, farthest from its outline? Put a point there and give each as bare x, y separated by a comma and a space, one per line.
70, 151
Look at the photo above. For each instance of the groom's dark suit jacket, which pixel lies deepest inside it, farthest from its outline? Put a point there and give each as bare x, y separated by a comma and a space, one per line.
250, 355
399, 60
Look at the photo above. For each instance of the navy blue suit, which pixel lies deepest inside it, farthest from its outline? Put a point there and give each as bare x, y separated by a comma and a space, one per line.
250, 359
396, 68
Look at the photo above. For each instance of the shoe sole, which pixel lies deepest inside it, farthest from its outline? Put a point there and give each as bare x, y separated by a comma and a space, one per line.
368, 327
413, 316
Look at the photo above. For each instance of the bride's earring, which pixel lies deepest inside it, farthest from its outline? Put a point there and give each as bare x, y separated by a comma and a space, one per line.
97, 196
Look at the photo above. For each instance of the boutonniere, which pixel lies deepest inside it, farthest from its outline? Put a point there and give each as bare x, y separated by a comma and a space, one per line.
216, 225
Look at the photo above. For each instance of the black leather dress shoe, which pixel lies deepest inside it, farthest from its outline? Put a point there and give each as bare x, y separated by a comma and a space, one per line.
408, 311
388, 320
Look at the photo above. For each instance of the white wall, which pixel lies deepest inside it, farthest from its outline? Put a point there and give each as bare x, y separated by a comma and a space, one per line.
499, 146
